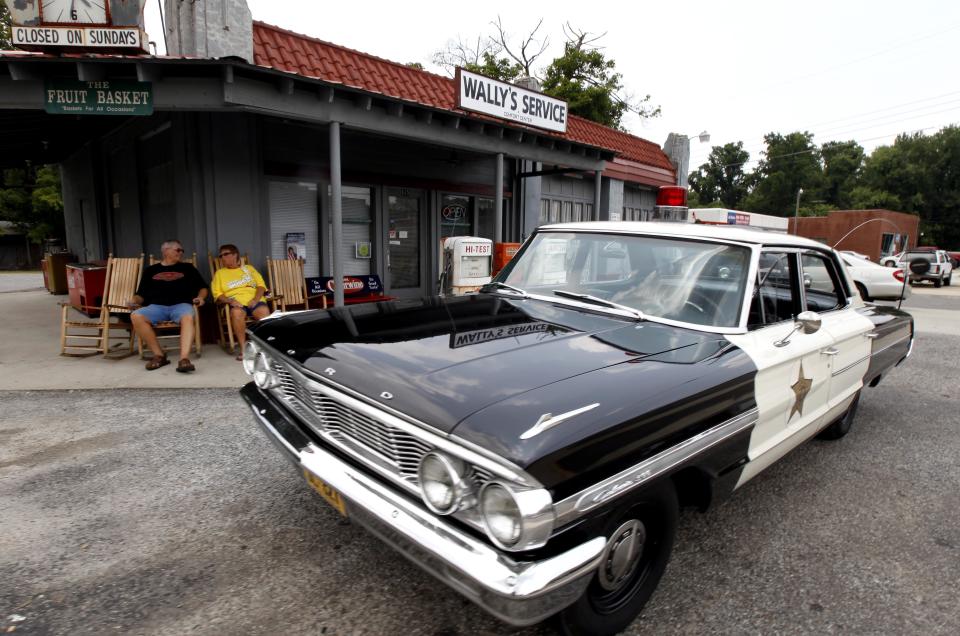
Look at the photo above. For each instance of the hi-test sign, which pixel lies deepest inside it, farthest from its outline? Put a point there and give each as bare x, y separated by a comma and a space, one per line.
70, 97
500, 99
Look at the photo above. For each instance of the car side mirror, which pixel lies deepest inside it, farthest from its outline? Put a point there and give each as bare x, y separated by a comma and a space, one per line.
807, 321
807, 280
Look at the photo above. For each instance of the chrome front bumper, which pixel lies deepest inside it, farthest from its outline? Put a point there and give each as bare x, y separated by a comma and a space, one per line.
517, 592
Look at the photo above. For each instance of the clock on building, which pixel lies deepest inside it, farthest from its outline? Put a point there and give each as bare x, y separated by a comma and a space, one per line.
73, 11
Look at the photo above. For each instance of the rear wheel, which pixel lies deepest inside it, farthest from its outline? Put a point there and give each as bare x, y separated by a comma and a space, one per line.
863, 291
641, 539
842, 426
938, 282
949, 278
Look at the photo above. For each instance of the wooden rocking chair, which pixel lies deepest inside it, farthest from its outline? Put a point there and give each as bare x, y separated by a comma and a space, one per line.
168, 330
227, 339
90, 336
288, 284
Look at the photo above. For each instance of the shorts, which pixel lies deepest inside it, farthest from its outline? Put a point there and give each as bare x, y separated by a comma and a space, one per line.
250, 310
161, 313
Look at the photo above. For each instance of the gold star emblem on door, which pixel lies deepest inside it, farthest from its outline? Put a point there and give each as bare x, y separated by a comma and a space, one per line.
800, 389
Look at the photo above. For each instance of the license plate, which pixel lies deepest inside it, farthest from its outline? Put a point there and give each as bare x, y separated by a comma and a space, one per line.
332, 496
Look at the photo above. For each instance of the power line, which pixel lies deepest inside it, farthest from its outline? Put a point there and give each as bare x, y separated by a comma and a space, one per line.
757, 146
809, 150
880, 110
836, 132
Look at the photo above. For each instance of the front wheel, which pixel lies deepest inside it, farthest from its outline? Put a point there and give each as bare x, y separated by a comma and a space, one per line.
637, 552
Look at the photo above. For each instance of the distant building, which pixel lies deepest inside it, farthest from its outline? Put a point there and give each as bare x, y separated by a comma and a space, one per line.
878, 233
16, 251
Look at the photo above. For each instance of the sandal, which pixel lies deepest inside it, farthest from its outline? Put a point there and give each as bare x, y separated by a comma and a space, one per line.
185, 366
156, 362
239, 357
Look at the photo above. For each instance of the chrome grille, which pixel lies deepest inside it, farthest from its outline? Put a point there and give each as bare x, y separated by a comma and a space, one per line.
393, 449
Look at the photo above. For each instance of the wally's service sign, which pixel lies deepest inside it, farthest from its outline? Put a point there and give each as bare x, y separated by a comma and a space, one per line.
506, 101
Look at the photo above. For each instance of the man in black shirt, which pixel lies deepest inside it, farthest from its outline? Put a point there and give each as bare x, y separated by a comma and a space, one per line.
168, 291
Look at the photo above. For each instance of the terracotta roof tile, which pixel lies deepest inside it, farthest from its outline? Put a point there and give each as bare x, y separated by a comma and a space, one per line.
295, 53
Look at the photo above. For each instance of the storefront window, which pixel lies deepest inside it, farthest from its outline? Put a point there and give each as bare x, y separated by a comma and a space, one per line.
293, 223
486, 217
356, 250
403, 239
456, 218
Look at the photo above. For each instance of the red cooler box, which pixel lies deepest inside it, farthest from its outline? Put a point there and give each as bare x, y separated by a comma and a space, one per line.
85, 282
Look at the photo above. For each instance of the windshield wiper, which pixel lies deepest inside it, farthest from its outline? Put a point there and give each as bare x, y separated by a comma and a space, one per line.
504, 287
600, 301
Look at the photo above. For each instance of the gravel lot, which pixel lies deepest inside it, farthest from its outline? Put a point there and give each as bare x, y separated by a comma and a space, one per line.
166, 512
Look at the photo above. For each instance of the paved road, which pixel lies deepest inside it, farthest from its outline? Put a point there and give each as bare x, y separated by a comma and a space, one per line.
166, 512
20, 281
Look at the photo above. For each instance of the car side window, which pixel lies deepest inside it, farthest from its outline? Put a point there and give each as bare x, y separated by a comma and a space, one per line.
775, 295
821, 283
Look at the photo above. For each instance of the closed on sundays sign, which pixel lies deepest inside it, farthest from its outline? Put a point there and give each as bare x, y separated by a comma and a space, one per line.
506, 101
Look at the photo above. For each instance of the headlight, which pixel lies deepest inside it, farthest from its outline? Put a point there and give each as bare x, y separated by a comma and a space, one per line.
250, 351
501, 515
516, 519
263, 374
443, 483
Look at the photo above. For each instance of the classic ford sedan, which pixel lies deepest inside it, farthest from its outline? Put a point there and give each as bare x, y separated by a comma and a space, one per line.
530, 445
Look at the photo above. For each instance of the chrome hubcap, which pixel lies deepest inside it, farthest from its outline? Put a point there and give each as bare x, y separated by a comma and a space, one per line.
622, 554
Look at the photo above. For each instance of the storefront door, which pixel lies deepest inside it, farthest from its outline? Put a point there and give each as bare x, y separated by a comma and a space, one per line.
404, 268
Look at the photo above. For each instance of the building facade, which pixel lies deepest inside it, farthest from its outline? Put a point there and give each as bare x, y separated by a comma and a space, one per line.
875, 233
250, 148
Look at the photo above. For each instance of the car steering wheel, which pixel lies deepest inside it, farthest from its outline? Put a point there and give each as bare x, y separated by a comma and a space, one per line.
702, 303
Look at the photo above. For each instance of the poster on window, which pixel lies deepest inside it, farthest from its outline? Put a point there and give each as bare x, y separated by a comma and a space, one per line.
296, 245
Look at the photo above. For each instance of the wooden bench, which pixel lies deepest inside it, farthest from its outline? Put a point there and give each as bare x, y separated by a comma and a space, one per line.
356, 289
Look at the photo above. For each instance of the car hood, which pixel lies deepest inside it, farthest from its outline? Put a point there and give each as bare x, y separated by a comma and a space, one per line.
439, 360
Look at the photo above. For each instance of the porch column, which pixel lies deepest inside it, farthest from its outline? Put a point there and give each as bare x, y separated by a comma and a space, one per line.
498, 202
597, 181
336, 213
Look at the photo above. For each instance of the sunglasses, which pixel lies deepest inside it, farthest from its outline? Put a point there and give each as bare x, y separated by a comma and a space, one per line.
177, 249
226, 254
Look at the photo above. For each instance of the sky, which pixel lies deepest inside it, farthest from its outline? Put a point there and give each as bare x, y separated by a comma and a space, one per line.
841, 69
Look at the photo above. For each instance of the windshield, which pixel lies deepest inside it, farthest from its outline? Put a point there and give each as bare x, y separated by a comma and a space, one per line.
672, 278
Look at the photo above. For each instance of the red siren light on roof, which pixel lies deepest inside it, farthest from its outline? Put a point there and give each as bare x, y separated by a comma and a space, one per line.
675, 196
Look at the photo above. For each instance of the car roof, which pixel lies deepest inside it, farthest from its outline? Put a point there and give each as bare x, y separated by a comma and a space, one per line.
690, 230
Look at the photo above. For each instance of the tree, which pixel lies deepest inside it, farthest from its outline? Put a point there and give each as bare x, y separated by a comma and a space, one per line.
582, 76
589, 83
722, 178
842, 165
790, 162
494, 56
31, 199
6, 41
923, 173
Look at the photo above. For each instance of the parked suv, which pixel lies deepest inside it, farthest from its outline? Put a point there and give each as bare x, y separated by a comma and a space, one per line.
940, 270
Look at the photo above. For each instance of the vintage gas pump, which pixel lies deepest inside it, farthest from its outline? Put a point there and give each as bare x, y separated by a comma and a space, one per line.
467, 264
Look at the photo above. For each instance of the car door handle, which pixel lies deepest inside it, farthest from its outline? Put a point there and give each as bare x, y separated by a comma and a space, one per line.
830, 352
871, 335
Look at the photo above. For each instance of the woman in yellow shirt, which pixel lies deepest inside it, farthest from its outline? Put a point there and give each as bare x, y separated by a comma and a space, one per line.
242, 288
